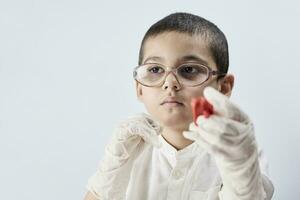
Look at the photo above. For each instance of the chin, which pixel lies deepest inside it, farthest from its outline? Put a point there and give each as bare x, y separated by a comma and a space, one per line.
177, 120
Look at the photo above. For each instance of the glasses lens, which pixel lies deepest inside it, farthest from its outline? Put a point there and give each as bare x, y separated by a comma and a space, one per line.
189, 74
192, 74
149, 74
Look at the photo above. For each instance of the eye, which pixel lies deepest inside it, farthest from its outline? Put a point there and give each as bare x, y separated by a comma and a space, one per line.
190, 69
155, 69
192, 72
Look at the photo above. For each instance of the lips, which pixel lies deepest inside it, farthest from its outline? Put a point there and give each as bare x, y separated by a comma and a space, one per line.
171, 100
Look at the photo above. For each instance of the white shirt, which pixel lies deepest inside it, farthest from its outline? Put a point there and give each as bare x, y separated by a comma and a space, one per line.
188, 174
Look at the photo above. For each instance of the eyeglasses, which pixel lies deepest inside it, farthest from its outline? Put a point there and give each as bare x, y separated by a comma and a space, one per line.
188, 74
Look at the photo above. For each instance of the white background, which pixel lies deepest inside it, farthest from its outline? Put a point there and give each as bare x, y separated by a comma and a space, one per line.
66, 80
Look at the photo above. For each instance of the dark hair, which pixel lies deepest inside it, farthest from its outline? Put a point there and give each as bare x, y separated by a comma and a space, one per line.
193, 24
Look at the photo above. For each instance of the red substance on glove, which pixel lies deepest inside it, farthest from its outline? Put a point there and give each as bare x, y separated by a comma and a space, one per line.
200, 106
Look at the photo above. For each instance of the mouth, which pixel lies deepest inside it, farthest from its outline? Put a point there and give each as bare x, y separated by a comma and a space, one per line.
172, 103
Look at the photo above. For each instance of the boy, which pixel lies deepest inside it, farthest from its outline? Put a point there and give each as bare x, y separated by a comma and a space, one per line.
164, 155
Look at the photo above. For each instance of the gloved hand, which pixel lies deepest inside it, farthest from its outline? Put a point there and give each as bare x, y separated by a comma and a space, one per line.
111, 179
228, 135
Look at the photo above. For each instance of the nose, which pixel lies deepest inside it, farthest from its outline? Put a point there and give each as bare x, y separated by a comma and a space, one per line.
171, 82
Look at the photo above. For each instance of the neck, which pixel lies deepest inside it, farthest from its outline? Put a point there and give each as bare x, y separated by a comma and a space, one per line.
175, 138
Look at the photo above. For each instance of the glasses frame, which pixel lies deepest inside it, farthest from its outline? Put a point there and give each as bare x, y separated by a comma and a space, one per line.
175, 72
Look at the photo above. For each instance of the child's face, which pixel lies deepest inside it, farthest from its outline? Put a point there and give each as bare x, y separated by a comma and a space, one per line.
173, 49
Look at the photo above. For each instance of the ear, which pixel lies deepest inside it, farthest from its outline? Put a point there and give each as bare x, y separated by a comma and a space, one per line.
139, 92
226, 84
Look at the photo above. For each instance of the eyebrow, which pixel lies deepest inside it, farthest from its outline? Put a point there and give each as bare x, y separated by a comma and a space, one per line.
183, 59
155, 58
194, 58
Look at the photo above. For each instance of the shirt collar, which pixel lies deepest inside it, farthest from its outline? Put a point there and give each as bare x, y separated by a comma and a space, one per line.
189, 151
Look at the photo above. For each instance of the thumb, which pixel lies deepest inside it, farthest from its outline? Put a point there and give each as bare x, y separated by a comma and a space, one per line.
152, 138
191, 135
224, 106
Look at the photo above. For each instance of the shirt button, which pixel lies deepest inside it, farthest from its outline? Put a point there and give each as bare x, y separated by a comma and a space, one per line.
177, 174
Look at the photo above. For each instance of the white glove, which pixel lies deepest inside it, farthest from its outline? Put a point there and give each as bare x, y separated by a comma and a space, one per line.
111, 179
228, 135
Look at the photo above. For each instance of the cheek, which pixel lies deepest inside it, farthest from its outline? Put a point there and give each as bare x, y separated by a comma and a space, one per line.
151, 97
193, 92
198, 91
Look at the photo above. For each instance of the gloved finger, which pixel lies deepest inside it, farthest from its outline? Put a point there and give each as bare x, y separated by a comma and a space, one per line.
131, 143
140, 125
224, 140
195, 136
121, 133
216, 139
148, 134
218, 125
230, 147
151, 137
223, 106
146, 120
217, 152
151, 130
203, 143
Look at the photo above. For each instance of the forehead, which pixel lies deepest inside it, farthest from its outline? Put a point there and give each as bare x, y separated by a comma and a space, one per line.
171, 48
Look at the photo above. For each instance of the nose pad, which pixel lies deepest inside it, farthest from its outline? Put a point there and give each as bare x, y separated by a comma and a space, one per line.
171, 81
